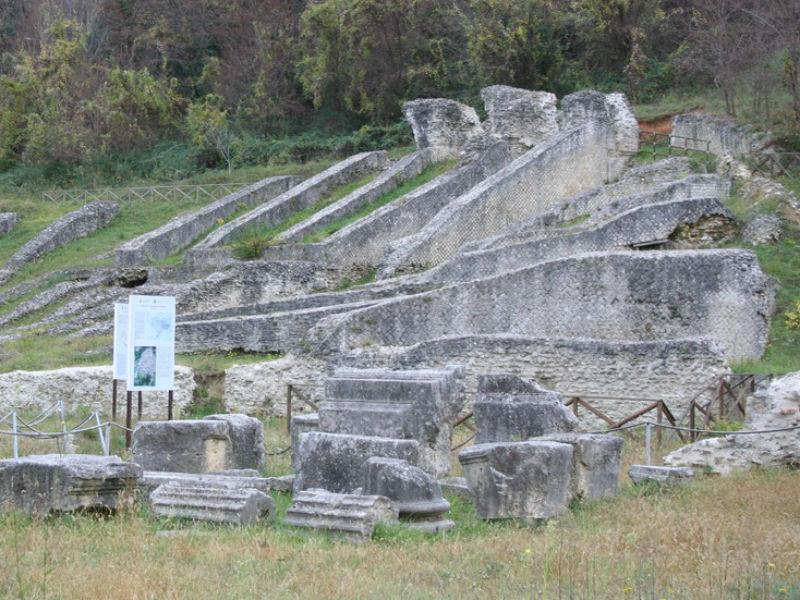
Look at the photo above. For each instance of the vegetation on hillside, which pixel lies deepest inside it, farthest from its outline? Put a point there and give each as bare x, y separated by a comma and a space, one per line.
100, 91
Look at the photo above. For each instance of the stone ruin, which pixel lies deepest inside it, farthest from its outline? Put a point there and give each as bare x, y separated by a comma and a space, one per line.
774, 407
39, 485
404, 415
214, 443
526, 463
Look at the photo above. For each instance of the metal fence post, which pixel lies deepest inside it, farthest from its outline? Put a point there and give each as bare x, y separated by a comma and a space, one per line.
647, 434
14, 430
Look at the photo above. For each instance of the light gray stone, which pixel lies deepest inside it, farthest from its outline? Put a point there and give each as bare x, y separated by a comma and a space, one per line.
184, 229
335, 462
776, 406
415, 494
75, 225
442, 123
724, 136
152, 479
523, 118
404, 169
362, 244
299, 197
39, 485
566, 164
199, 446
353, 517
301, 424
86, 388
248, 446
596, 461
7, 222
218, 504
419, 405
518, 480
763, 229
632, 296
696, 222
509, 408
660, 475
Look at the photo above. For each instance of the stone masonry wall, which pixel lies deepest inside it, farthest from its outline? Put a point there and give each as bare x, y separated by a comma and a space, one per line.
73, 226
565, 165
85, 387
182, 230
725, 137
634, 296
299, 197
650, 223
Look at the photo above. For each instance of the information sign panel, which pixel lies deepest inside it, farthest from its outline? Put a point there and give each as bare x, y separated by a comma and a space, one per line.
151, 343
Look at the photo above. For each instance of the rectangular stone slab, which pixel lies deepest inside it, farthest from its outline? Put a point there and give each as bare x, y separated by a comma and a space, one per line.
42, 484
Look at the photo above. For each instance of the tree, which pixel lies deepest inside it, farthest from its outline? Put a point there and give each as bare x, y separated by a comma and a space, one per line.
519, 43
209, 128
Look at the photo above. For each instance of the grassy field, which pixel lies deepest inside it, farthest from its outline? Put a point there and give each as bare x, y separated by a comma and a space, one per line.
734, 537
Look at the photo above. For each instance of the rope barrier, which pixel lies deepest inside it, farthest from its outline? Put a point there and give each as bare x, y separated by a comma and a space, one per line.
279, 452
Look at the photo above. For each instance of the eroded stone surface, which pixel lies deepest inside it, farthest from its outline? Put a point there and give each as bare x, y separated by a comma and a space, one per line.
200, 446
208, 502
442, 123
42, 484
776, 406
523, 480
335, 461
348, 515
415, 493
509, 408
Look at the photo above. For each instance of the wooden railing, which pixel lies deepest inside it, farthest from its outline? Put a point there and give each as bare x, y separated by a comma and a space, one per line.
172, 193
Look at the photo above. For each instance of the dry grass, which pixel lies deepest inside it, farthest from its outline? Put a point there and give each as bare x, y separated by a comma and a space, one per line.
736, 537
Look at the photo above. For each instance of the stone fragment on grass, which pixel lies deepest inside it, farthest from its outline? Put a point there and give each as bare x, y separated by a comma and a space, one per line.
415, 493
660, 475
351, 516
39, 485
208, 502
518, 480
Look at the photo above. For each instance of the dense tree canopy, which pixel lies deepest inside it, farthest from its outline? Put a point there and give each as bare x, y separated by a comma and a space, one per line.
80, 78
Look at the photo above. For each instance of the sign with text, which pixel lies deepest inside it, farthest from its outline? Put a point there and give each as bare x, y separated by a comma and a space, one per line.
120, 341
151, 343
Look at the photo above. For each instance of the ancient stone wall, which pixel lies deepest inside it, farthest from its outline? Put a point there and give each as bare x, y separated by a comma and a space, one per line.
725, 137
407, 167
652, 223
7, 222
299, 197
72, 226
563, 166
363, 243
182, 230
636, 296
85, 387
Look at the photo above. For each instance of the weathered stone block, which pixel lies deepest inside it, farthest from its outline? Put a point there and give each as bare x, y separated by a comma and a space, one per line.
524, 480
443, 123
351, 516
660, 475
335, 462
301, 424
216, 503
596, 461
152, 479
419, 405
508, 408
248, 446
521, 117
224, 442
416, 494
42, 484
